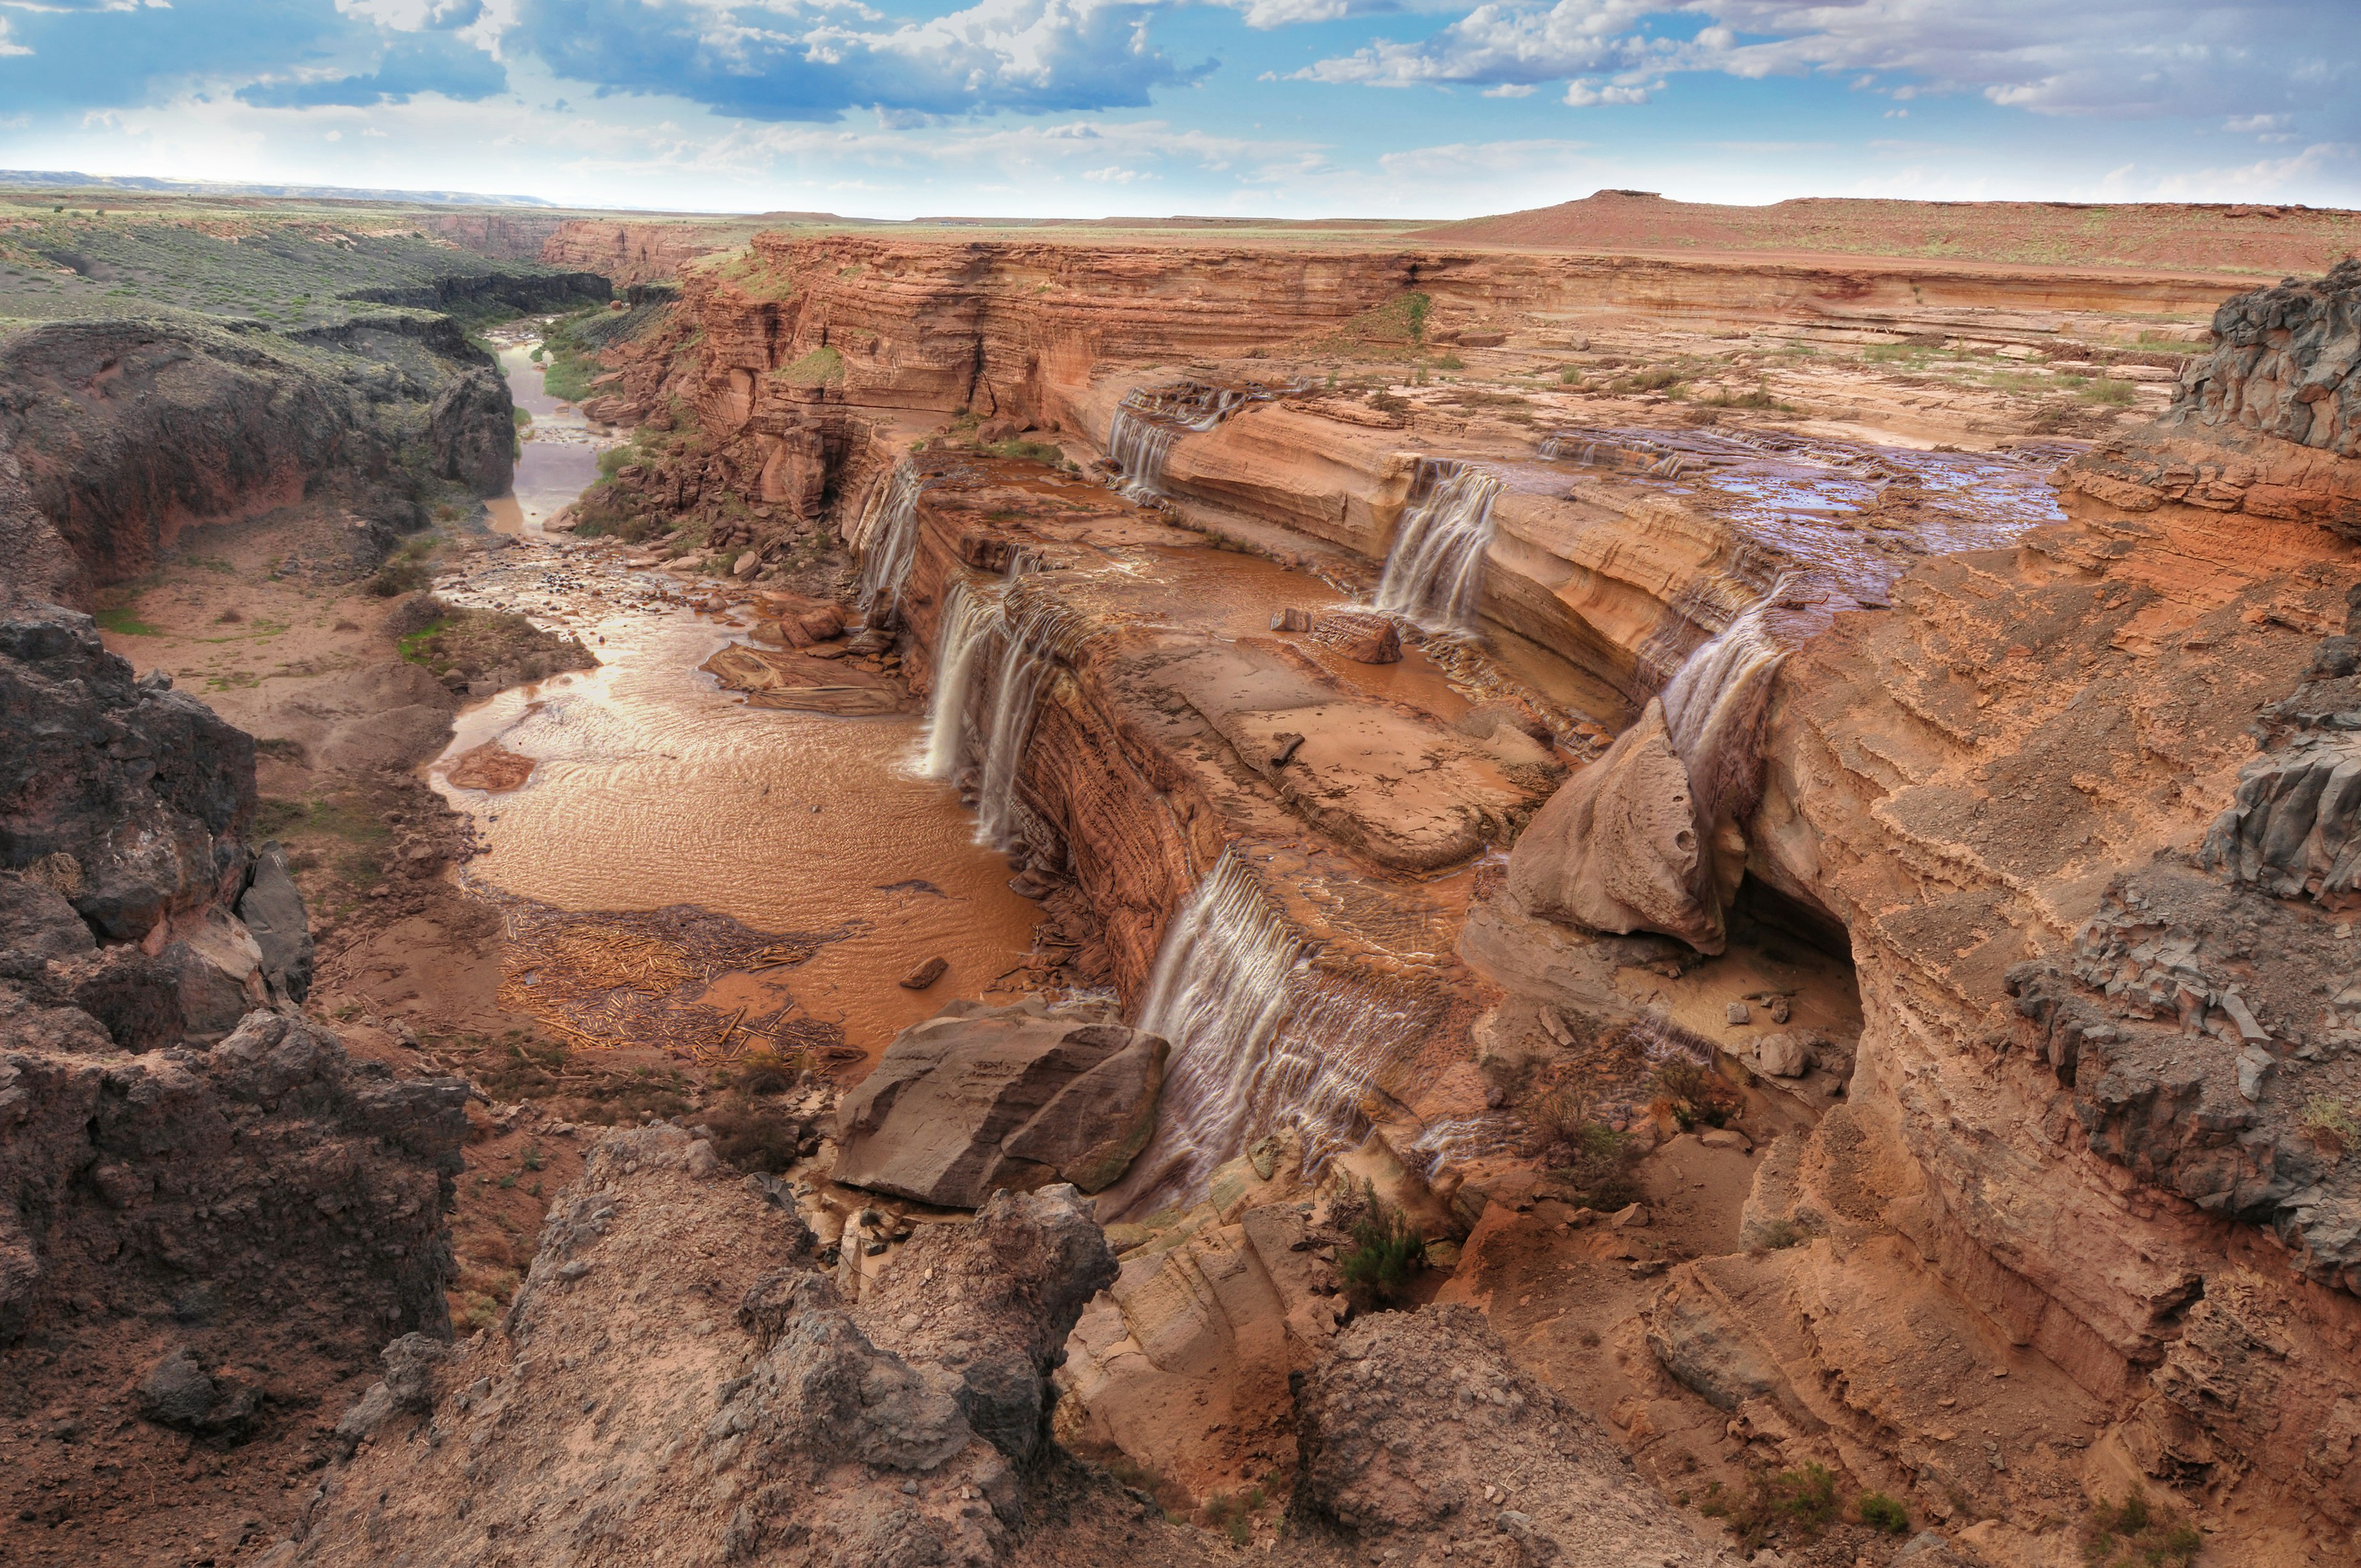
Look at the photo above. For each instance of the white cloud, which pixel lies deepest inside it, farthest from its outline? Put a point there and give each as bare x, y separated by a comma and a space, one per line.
1459, 160
1504, 43
2245, 60
1587, 94
6, 45
1510, 90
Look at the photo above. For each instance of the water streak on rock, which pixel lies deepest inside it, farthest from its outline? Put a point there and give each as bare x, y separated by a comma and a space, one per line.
1028, 661
887, 538
1434, 573
1140, 436
1713, 711
969, 620
1261, 1037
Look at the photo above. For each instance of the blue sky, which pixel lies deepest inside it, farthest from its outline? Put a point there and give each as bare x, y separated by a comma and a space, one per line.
1292, 108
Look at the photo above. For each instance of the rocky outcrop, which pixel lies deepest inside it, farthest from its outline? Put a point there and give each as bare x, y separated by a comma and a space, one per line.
1422, 1440
2285, 364
1617, 847
979, 1099
680, 1379
272, 1177
464, 428
115, 436
126, 797
2090, 1064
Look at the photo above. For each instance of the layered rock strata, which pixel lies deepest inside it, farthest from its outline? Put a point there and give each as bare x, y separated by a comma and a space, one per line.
2089, 1062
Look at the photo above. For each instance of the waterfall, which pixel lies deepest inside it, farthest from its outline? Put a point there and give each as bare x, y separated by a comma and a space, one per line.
1259, 1036
1434, 573
889, 539
1714, 707
969, 622
1027, 660
1139, 447
1140, 436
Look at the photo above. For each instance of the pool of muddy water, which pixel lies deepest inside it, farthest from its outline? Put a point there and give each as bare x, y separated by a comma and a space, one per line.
652, 787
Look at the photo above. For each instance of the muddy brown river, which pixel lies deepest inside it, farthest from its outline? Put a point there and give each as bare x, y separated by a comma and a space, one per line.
652, 787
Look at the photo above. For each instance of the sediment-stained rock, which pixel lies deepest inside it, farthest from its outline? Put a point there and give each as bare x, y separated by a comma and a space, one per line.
1421, 1437
979, 1099
760, 1415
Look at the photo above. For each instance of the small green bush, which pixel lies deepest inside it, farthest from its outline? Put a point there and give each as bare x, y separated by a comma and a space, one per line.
2136, 1533
2116, 394
822, 367
1448, 362
398, 576
1882, 1513
1387, 1251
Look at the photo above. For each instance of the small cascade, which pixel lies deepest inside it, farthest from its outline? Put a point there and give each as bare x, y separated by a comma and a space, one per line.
1027, 660
889, 539
1137, 446
970, 620
1714, 707
1260, 1038
1434, 574
1140, 436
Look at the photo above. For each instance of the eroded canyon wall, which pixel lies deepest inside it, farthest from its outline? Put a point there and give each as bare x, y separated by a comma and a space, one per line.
2096, 1057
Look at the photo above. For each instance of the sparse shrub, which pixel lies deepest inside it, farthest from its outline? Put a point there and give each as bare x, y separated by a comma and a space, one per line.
397, 577
1694, 1094
1570, 376
1881, 1512
754, 1137
1781, 1234
2330, 1122
2136, 1533
1448, 362
1802, 1501
1594, 1159
1387, 1251
2116, 394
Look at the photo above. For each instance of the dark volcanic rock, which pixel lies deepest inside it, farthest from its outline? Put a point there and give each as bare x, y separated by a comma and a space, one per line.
129, 799
272, 909
799, 1429
2285, 364
977, 1098
472, 431
271, 1168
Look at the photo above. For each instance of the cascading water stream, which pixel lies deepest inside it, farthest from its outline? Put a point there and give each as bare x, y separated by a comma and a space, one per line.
1137, 446
1714, 707
1434, 573
889, 539
1027, 662
970, 620
1259, 1037
1140, 436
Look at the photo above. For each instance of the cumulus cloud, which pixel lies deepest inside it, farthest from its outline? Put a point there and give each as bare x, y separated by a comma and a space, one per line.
2246, 60
808, 59
1504, 43
1287, 13
412, 63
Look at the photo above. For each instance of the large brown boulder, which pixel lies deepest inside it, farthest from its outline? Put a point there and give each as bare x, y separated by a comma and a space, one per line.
977, 1098
1618, 849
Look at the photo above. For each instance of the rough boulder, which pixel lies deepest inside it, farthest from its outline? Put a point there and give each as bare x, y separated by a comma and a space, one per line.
977, 1098
1421, 1437
681, 1380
